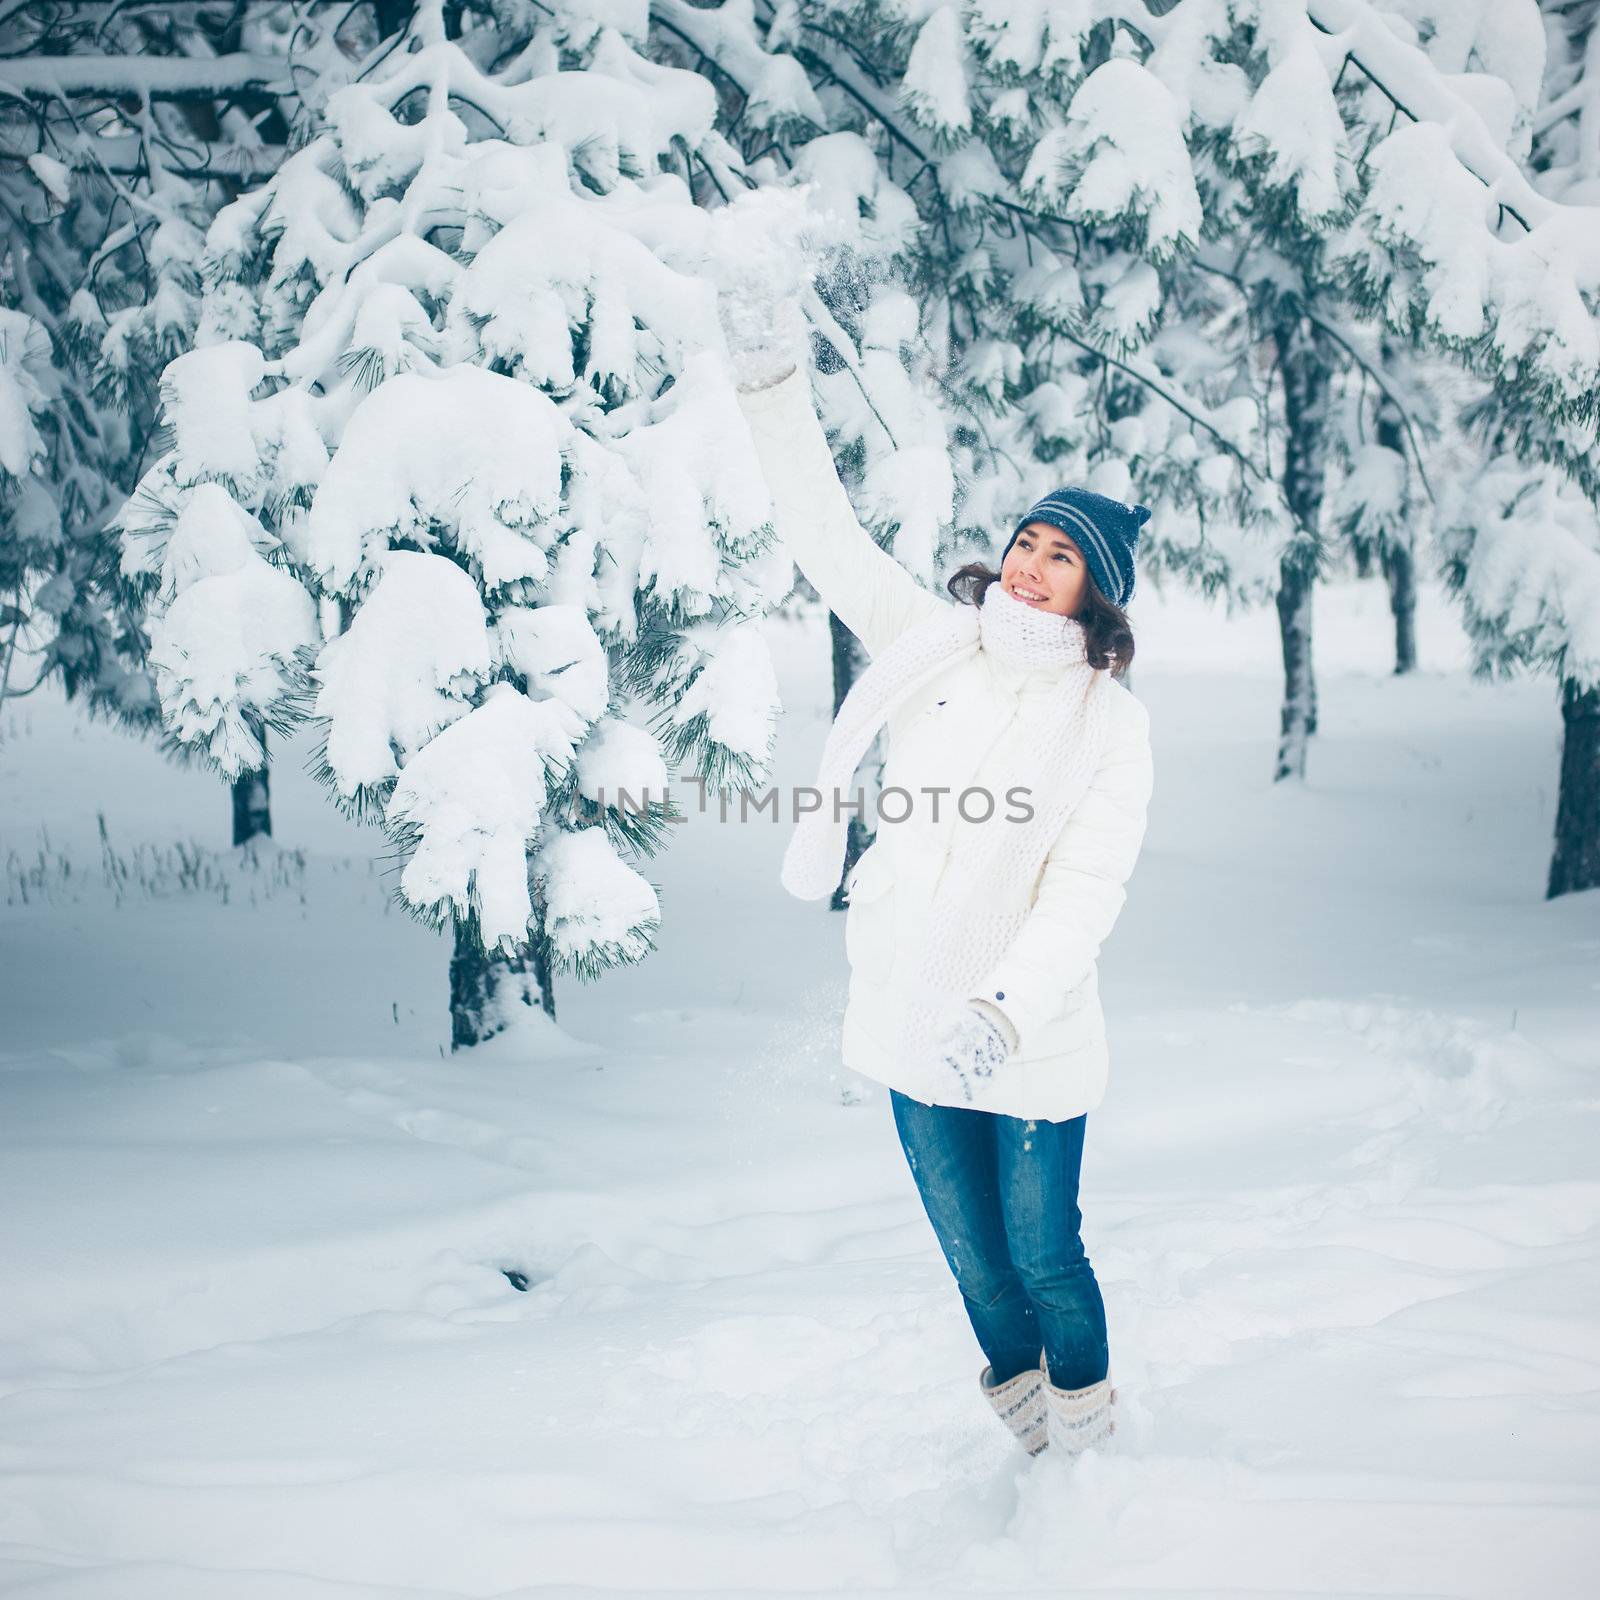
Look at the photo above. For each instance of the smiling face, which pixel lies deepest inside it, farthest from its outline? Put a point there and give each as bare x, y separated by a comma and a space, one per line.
1044, 568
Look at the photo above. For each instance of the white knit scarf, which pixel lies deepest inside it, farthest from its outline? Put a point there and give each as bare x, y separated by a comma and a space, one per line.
1052, 750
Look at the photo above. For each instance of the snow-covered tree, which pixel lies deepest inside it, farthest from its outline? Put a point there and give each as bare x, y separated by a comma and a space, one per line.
1460, 250
456, 473
1522, 534
1348, 160
123, 129
1508, 287
1288, 128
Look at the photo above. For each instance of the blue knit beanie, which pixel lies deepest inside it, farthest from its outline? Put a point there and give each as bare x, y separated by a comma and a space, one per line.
1104, 529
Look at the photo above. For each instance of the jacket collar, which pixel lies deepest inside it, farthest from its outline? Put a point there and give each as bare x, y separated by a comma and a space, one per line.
1019, 680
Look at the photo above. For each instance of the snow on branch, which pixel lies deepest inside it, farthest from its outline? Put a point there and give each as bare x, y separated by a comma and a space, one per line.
1413, 83
1528, 599
145, 78
1426, 242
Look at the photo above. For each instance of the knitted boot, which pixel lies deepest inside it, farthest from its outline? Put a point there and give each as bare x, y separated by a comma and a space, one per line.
1075, 1419
1019, 1403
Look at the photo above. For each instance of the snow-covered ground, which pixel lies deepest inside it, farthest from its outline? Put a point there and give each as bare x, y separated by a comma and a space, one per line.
257, 1340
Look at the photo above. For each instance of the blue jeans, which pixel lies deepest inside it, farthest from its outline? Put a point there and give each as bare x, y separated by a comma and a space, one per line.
1002, 1195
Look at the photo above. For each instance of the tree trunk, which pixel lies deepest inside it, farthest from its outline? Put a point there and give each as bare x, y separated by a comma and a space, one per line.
1576, 862
252, 807
1296, 586
849, 661
1400, 568
1310, 660
1305, 360
486, 990
1399, 559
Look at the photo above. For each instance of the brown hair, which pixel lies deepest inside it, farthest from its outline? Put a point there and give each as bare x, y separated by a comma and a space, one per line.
1108, 634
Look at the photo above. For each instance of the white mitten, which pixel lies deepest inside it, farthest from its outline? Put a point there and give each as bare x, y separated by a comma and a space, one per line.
761, 253
974, 1047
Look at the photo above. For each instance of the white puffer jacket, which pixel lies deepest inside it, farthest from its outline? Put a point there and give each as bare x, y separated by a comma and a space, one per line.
942, 737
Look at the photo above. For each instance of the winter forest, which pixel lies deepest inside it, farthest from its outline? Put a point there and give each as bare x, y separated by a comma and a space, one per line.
428, 1164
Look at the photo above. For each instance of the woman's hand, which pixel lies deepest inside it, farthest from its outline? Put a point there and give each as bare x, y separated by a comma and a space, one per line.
973, 1048
760, 256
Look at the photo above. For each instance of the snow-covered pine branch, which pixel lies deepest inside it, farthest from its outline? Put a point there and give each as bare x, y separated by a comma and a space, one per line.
1521, 548
1452, 239
116, 77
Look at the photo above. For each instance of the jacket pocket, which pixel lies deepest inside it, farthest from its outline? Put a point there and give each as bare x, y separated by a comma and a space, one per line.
1080, 995
1069, 1015
869, 920
1071, 1030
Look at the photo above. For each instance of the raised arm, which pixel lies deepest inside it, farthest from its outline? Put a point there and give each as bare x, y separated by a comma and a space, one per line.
870, 592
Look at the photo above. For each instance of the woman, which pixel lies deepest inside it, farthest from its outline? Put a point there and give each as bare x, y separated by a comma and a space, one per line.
972, 938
